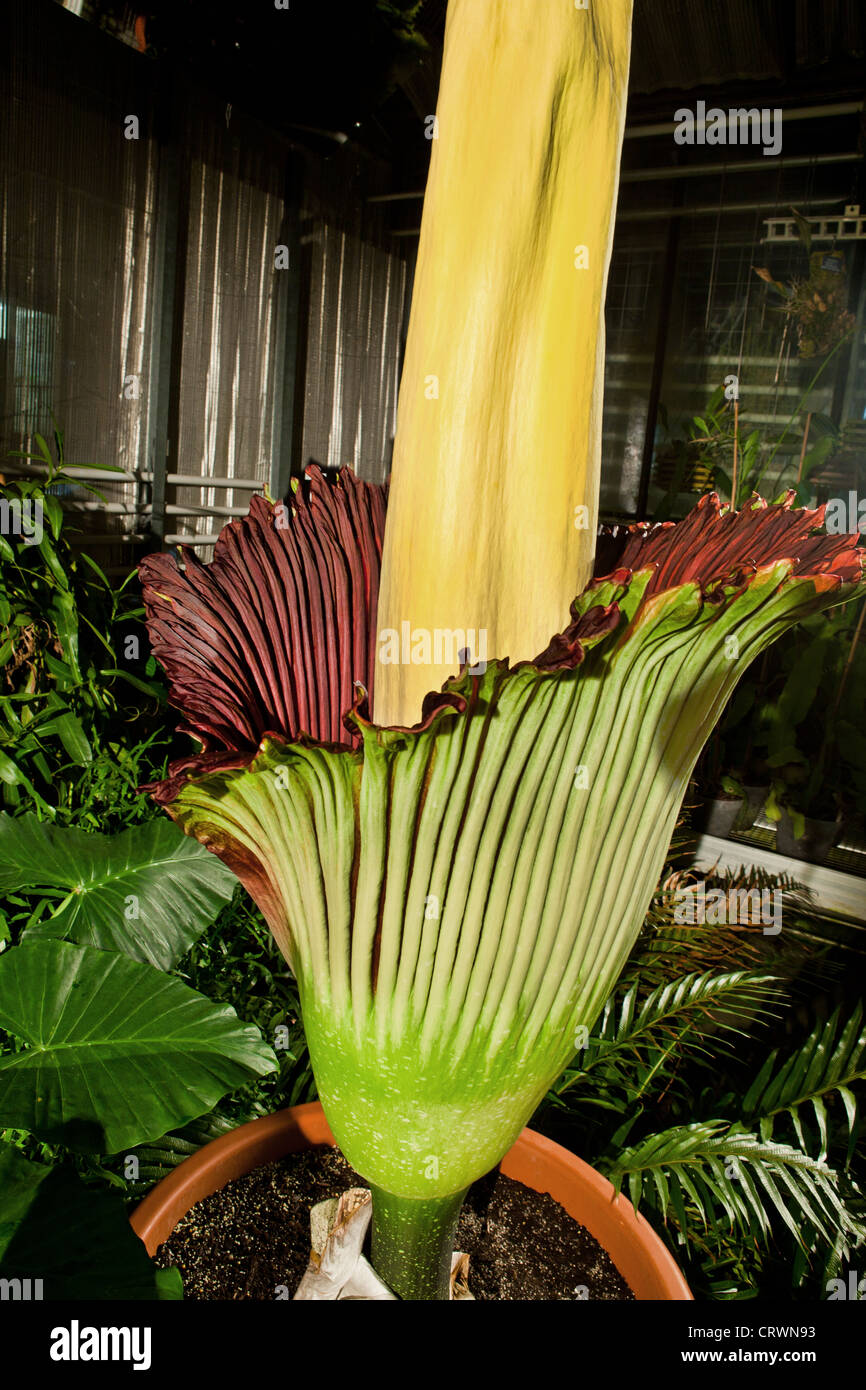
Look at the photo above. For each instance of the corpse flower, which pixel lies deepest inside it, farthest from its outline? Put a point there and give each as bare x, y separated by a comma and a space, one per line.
458, 898
456, 880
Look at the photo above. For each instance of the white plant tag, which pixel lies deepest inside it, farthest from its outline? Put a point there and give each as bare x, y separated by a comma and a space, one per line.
337, 1269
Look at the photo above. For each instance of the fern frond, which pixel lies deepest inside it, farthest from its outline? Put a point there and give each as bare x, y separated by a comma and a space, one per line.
665, 945
712, 1177
730, 1278
158, 1158
665, 950
829, 1062
819, 932
634, 1039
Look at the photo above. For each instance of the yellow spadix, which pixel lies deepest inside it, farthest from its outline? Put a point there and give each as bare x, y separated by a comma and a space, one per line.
494, 496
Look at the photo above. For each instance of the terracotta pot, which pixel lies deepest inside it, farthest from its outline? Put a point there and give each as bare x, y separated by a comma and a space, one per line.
640, 1256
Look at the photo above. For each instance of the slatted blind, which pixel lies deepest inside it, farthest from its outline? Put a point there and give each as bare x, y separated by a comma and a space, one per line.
141, 297
76, 261
356, 316
229, 388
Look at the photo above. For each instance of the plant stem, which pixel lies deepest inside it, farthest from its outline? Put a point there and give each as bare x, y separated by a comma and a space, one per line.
827, 360
736, 450
413, 1239
803, 448
840, 690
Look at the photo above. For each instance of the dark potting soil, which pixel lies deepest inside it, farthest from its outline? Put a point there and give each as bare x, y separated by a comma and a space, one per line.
252, 1238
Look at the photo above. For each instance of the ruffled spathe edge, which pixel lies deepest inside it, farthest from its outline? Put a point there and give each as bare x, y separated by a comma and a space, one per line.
715, 550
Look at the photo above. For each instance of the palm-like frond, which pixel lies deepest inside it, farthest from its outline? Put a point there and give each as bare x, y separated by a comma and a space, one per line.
665, 951
687, 993
664, 947
158, 1158
833, 1259
635, 1041
818, 932
732, 1272
830, 1061
714, 1177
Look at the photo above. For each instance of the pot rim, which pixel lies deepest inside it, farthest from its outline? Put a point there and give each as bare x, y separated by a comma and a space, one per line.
641, 1256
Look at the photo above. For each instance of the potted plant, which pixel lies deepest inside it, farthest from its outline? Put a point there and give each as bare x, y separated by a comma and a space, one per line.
732, 770
637, 1095
724, 810
136, 1070
642, 1259
813, 741
801, 836
818, 304
457, 871
722, 807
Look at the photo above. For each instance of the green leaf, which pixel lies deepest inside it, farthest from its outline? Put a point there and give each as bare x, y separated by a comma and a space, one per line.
98, 571
829, 1061
723, 481
55, 566
76, 1239
89, 463
151, 688
169, 1284
851, 746
70, 731
786, 755
149, 892
12, 775
117, 1053
800, 690
61, 671
732, 1179
818, 456
54, 512
752, 444
44, 449
667, 1020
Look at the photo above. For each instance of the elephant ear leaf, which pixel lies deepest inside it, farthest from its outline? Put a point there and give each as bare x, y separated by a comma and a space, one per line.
148, 892
114, 1052
76, 1241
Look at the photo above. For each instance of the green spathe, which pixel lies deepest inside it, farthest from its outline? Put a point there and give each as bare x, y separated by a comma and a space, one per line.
457, 901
